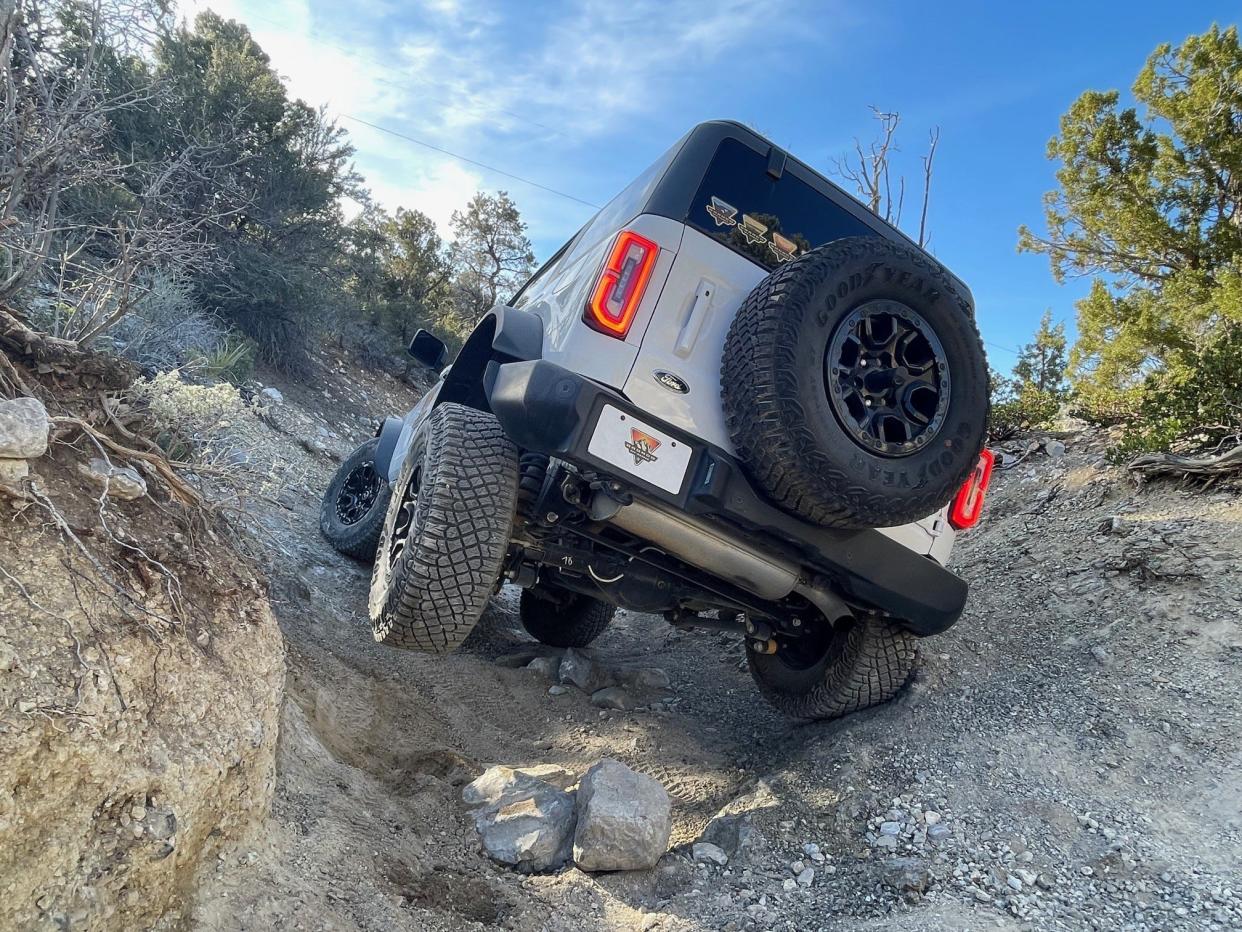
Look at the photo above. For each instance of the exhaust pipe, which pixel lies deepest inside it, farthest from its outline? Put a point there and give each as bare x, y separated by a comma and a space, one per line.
728, 556
710, 549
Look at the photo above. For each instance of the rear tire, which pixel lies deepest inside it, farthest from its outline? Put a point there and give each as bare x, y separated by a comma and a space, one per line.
847, 670
351, 515
446, 533
563, 619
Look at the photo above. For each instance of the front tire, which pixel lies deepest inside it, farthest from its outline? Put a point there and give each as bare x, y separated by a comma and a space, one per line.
446, 532
843, 670
351, 515
563, 619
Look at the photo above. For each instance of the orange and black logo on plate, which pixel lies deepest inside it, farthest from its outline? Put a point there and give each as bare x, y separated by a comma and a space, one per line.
642, 447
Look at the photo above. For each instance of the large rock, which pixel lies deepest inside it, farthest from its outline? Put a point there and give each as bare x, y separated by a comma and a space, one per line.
522, 820
23, 428
614, 697
624, 819
580, 669
120, 482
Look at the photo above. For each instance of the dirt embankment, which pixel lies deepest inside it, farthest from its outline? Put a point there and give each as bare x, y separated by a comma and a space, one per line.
140, 680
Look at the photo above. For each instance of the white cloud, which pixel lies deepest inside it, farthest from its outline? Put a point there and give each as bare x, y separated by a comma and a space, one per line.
535, 90
436, 188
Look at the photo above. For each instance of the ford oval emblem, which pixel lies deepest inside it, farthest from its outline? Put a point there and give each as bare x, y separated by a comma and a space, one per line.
672, 382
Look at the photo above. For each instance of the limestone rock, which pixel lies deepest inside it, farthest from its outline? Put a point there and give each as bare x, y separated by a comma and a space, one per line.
23, 428
521, 820
614, 697
624, 819
581, 670
121, 482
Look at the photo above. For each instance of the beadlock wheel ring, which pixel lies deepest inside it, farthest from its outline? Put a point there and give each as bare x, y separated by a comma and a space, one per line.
887, 378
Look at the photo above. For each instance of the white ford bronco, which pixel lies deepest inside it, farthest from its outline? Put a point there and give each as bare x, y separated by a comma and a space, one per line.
735, 397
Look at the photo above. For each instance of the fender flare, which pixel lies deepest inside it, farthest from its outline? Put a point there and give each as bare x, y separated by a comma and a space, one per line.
504, 334
388, 435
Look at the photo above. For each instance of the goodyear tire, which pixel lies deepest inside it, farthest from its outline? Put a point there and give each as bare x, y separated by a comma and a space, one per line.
351, 515
842, 671
563, 619
446, 532
855, 385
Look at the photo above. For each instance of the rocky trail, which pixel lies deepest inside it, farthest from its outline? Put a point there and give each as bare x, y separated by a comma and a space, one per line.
1065, 758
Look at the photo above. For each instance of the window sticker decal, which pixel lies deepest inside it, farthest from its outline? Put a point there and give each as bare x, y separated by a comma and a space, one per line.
723, 213
753, 231
756, 235
782, 247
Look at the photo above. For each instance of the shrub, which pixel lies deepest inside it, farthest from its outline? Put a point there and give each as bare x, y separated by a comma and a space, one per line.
1194, 404
167, 328
231, 360
1028, 409
193, 423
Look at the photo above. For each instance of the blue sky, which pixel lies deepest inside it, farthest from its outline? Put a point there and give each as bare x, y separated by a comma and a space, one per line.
581, 96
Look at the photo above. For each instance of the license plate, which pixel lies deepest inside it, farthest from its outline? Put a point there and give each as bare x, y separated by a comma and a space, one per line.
623, 441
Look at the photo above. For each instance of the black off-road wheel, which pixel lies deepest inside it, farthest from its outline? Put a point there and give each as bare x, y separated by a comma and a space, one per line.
446, 532
351, 515
563, 619
830, 672
855, 385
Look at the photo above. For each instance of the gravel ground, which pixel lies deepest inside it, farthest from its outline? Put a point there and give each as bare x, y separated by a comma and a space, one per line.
1065, 758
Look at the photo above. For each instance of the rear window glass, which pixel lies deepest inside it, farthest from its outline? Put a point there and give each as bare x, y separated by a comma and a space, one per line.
768, 220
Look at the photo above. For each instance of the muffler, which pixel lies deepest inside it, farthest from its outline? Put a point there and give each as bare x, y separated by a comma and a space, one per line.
727, 556
710, 549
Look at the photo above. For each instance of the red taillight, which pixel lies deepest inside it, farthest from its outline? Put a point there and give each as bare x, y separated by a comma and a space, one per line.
967, 505
621, 284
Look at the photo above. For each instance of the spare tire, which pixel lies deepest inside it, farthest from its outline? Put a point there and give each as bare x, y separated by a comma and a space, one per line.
855, 385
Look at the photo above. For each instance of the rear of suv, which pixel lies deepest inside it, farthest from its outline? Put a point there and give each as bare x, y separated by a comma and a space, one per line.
735, 397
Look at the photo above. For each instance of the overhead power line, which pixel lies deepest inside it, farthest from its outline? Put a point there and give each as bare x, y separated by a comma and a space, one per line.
470, 161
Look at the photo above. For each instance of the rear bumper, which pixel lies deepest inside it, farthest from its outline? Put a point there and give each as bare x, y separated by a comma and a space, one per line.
548, 409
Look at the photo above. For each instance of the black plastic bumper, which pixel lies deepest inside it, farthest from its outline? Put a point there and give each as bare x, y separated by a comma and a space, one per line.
548, 409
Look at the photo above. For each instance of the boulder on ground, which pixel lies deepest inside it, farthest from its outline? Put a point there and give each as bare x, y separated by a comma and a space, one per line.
580, 669
729, 833
24, 427
909, 876
614, 697
624, 819
545, 666
706, 851
522, 820
13, 471
645, 678
121, 482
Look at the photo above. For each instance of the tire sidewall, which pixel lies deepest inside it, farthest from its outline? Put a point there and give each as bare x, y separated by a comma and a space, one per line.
386, 575
808, 414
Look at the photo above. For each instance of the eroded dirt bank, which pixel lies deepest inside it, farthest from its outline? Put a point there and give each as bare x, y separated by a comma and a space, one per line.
1065, 759
140, 680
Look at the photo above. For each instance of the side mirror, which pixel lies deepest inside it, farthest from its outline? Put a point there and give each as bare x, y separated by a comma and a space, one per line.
429, 349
